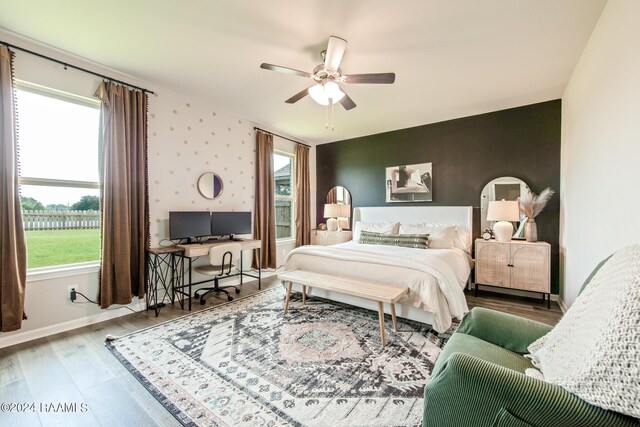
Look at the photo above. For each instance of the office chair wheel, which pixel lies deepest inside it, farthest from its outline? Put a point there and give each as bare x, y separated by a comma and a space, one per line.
230, 298
202, 301
237, 291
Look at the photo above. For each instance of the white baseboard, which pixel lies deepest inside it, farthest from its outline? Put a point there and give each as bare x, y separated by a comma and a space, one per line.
21, 337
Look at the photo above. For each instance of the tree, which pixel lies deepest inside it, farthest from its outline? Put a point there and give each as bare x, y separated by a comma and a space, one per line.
57, 206
31, 204
87, 203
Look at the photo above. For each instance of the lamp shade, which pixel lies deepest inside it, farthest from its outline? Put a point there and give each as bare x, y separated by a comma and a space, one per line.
345, 211
331, 210
326, 93
503, 210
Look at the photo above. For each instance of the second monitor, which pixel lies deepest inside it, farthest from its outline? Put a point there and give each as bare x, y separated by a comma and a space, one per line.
230, 223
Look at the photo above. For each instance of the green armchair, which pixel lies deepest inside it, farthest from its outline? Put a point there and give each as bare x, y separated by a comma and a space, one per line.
479, 380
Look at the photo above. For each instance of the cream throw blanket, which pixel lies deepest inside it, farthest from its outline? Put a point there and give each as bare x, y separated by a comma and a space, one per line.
426, 261
594, 351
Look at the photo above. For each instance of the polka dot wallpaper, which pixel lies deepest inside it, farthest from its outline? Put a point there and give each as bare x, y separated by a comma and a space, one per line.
187, 138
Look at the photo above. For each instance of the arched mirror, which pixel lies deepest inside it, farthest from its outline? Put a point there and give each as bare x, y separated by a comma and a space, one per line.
210, 185
341, 196
503, 188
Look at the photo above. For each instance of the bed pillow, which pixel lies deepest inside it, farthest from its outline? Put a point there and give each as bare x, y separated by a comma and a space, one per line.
462, 239
441, 236
376, 227
420, 241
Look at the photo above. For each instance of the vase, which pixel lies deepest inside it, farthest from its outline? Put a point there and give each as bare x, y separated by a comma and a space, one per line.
531, 230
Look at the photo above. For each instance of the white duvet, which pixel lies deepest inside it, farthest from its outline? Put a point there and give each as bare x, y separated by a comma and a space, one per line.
436, 277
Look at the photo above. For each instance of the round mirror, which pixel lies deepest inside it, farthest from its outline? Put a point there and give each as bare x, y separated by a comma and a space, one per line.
210, 185
341, 196
503, 188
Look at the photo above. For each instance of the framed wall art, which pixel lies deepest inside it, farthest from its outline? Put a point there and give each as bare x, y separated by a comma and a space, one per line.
409, 183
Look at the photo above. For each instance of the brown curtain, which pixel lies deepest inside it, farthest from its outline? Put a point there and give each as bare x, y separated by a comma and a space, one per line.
303, 196
123, 186
13, 251
264, 224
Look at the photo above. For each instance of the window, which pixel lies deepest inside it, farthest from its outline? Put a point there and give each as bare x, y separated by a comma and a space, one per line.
284, 190
58, 142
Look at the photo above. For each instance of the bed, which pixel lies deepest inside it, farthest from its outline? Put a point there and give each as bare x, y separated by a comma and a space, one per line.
436, 276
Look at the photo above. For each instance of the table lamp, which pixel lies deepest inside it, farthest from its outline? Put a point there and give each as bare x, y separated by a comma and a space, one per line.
503, 211
332, 211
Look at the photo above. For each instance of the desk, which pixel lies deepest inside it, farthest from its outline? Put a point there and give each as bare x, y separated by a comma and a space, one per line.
161, 267
193, 250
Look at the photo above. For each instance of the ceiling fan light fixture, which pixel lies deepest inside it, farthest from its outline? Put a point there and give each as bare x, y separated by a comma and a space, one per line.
325, 93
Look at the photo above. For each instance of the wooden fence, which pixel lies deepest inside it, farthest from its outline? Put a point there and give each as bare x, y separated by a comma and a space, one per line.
53, 219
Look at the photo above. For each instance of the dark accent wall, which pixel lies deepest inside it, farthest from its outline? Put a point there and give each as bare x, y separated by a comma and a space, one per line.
467, 153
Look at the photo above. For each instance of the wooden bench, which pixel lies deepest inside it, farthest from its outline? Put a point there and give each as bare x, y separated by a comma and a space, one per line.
379, 292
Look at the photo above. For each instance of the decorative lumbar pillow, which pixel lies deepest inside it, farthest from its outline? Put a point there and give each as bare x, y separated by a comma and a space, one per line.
420, 241
376, 227
594, 351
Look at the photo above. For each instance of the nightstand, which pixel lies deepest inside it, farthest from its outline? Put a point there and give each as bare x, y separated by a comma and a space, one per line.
518, 264
328, 238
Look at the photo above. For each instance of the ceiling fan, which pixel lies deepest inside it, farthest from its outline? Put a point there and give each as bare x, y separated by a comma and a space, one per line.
328, 76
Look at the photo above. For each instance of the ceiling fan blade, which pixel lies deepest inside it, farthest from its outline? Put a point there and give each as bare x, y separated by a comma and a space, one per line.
375, 78
298, 96
335, 50
285, 70
347, 102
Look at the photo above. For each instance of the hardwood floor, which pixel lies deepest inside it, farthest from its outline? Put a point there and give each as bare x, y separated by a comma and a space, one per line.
74, 367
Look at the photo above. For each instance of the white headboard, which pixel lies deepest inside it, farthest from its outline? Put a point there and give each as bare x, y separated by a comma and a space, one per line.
462, 216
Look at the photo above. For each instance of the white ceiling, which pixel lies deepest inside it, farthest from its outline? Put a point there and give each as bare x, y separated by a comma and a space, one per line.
451, 58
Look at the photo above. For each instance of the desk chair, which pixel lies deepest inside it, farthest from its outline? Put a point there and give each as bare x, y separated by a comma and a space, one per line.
221, 259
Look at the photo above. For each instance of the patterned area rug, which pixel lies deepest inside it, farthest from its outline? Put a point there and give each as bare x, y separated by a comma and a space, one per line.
246, 363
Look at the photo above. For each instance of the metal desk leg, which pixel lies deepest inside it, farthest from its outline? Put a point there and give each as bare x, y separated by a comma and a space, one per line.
259, 267
147, 281
190, 281
241, 270
158, 268
173, 278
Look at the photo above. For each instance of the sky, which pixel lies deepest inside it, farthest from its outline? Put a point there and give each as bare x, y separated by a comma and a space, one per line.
57, 139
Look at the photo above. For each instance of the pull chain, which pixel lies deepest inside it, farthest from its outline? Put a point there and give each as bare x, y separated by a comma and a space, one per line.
332, 127
326, 117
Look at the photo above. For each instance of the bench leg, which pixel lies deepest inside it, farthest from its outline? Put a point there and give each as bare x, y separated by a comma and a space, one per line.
286, 301
381, 317
393, 317
304, 295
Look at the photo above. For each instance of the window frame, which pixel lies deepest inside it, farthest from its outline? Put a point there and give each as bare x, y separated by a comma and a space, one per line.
291, 197
59, 270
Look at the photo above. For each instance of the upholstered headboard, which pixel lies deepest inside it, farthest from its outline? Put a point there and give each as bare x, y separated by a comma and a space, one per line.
462, 216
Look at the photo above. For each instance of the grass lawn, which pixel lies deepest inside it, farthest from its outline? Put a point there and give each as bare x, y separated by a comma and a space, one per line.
56, 247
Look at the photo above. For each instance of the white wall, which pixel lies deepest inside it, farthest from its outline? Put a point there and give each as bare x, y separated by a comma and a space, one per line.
187, 136
600, 170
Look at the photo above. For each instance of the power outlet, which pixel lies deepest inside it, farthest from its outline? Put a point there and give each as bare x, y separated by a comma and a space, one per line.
71, 291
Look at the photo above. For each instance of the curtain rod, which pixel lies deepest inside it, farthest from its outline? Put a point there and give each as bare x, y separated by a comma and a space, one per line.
75, 67
280, 136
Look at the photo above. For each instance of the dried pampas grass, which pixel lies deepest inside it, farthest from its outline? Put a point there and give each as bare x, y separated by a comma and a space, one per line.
531, 205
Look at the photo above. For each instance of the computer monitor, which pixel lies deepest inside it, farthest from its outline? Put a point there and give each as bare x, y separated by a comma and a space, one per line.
230, 223
187, 225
